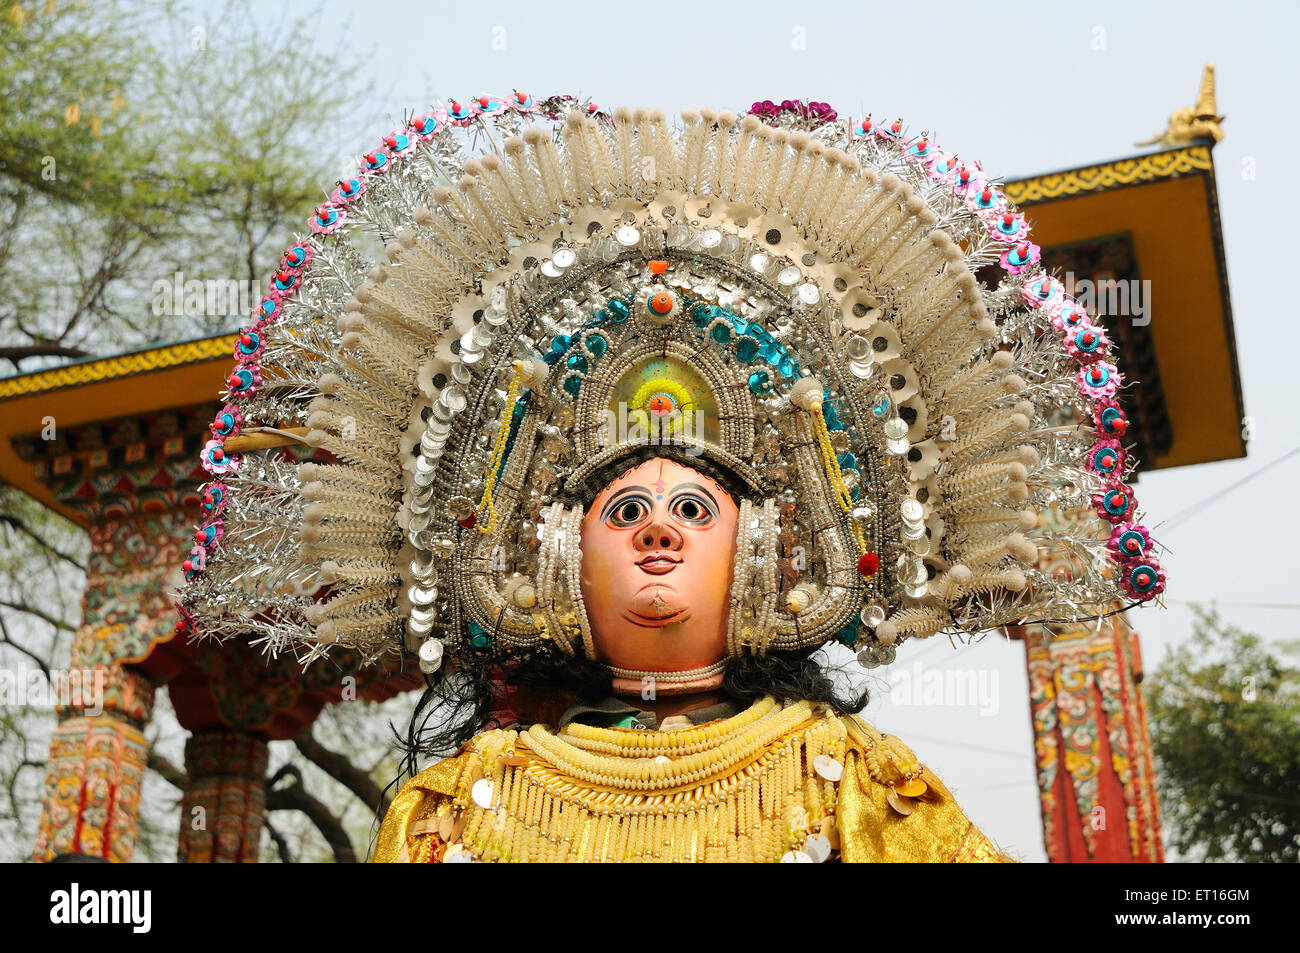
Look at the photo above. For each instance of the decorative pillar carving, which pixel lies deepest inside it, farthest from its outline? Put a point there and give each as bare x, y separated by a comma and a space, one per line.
1096, 778
97, 758
98, 753
221, 813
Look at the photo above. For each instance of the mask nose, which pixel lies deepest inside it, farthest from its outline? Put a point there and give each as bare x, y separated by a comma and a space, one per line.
658, 535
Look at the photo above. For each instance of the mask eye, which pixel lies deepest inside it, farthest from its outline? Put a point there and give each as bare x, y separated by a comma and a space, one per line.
690, 510
628, 513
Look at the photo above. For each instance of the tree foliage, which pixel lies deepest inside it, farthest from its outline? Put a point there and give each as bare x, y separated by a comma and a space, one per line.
137, 141
1225, 729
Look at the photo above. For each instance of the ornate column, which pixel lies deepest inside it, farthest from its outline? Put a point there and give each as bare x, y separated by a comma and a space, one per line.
98, 753
1096, 778
221, 813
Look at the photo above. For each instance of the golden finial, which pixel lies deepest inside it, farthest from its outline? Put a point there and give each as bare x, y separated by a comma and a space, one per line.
1196, 122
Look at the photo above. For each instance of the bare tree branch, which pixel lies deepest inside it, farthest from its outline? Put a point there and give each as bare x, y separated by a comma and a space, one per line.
15, 522
344, 771
40, 614
173, 775
296, 798
281, 845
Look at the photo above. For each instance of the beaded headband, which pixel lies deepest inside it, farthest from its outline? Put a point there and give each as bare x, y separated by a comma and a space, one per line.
793, 295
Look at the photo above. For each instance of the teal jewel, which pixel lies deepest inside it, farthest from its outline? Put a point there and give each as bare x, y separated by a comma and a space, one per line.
746, 349
561, 344
759, 382
847, 461
700, 315
572, 384
599, 318
478, 636
881, 408
721, 333
832, 418
1108, 418
848, 635
855, 493
578, 363
597, 345
618, 310
788, 367
1132, 544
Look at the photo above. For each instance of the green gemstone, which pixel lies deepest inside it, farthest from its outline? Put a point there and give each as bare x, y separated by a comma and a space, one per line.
746, 350
597, 345
721, 333
573, 384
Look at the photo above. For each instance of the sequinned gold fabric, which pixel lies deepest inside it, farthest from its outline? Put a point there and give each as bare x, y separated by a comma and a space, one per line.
775, 781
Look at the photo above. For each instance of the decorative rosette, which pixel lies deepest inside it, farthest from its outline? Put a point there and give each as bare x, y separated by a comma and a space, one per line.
522, 102
249, 344
891, 132
1106, 458
195, 562
1069, 315
327, 218
1110, 418
244, 381
1044, 291
1099, 379
185, 622
296, 258
398, 143
488, 106
1129, 541
227, 422
987, 199
348, 191
1008, 226
215, 459
965, 180
1018, 259
428, 125
921, 149
214, 499
269, 308
376, 163
1086, 344
859, 130
1143, 580
942, 165
283, 283
209, 533
1115, 503
459, 114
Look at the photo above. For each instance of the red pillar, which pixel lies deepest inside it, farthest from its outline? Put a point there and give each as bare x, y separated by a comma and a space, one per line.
1096, 778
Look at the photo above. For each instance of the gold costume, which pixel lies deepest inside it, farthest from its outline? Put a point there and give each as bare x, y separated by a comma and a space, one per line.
775, 782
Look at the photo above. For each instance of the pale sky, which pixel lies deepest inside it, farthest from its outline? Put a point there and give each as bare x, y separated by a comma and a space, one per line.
1024, 87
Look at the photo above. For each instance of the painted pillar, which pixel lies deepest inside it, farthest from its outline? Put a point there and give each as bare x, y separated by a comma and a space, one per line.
221, 813
98, 753
1096, 779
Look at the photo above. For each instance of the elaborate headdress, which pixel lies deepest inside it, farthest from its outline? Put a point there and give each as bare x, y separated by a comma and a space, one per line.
509, 294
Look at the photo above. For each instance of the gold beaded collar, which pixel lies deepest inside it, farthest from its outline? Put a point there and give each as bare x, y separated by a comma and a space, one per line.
750, 787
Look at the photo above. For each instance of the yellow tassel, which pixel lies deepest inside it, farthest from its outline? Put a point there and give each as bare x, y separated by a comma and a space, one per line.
498, 451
